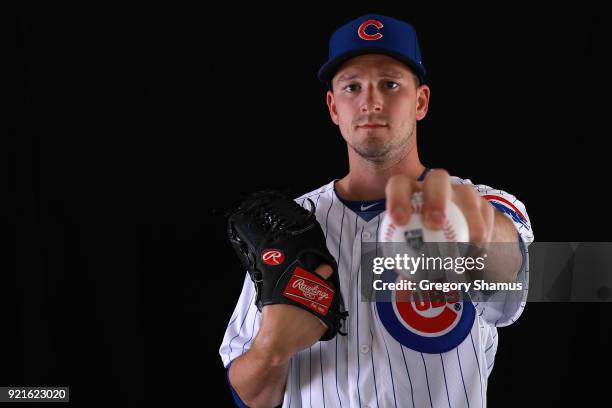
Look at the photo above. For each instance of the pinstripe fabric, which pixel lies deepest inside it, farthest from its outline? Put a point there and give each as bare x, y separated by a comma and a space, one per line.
369, 368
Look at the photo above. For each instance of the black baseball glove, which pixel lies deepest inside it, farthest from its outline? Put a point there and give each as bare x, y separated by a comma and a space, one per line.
281, 243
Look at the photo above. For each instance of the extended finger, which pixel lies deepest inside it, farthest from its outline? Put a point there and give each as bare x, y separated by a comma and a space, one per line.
436, 195
398, 192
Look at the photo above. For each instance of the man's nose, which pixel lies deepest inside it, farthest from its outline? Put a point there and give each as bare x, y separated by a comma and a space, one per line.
371, 100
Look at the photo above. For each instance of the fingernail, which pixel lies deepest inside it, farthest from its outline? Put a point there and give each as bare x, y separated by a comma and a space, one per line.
399, 213
436, 217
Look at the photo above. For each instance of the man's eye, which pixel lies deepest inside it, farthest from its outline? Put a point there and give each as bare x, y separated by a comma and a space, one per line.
351, 88
391, 85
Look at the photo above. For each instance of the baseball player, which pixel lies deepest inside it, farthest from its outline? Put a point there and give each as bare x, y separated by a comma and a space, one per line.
376, 95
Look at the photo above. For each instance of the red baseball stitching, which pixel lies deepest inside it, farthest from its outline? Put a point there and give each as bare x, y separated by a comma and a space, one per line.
449, 232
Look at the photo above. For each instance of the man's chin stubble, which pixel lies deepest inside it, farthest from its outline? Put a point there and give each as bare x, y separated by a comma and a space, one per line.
375, 155
382, 156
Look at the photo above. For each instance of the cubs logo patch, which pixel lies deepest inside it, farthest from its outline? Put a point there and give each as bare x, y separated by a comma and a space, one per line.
426, 321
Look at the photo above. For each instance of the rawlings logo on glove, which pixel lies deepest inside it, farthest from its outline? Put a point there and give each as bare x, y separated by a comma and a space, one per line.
273, 257
309, 290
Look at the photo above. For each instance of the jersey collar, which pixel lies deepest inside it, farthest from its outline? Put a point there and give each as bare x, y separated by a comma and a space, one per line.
368, 209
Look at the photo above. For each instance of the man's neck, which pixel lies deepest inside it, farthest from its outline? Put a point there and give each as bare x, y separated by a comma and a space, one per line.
368, 181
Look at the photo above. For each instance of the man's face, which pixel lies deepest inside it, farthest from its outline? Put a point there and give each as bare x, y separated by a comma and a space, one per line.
376, 102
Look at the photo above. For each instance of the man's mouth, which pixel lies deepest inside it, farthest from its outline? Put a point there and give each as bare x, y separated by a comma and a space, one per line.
372, 126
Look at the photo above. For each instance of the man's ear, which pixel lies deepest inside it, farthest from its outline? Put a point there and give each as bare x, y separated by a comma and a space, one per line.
423, 93
331, 105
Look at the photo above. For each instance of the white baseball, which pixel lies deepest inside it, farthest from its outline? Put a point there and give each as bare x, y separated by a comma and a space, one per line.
455, 229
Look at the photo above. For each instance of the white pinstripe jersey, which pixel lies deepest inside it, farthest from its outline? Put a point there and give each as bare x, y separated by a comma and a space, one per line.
369, 367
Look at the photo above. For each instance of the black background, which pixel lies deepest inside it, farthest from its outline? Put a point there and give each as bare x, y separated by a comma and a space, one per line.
135, 126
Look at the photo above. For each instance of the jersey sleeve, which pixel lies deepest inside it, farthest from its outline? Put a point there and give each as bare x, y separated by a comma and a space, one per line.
243, 325
503, 309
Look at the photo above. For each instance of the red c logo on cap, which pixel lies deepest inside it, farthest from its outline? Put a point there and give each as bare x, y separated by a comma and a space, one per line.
364, 36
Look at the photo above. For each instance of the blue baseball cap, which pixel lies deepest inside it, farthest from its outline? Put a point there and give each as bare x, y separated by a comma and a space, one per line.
373, 34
